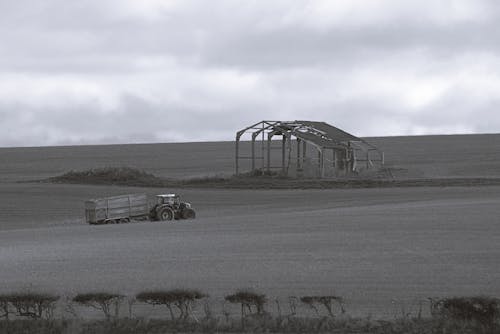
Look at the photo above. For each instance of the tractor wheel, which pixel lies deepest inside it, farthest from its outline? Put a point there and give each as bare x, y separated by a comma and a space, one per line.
165, 214
188, 214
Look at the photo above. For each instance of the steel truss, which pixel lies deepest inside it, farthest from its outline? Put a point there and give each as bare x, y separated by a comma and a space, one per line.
349, 153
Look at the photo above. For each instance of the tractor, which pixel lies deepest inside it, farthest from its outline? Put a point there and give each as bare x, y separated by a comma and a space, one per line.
170, 207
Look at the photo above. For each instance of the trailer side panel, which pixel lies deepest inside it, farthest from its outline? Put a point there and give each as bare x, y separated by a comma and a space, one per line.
115, 208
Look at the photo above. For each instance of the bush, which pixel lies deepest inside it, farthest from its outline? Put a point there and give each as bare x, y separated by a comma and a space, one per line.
108, 303
182, 299
483, 310
4, 307
326, 301
28, 304
110, 175
248, 299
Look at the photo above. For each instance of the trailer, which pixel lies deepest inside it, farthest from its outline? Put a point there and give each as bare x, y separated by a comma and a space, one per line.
122, 209
117, 209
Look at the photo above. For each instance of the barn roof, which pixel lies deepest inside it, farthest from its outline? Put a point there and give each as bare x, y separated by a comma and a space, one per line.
321, 134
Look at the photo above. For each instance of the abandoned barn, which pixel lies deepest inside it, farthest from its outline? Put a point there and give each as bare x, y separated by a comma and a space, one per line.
306, 148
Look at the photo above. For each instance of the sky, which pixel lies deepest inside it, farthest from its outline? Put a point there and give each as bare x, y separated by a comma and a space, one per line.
143, 71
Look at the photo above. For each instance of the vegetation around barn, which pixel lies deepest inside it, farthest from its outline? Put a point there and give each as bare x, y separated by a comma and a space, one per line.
126, 176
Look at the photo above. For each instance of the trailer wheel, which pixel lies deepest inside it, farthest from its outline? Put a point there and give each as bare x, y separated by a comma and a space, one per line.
165, 214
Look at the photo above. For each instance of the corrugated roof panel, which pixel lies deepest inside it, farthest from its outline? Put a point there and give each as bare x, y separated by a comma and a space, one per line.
317, 140
332, 132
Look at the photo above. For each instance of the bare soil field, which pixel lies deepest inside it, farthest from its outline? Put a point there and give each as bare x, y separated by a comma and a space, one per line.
379, 248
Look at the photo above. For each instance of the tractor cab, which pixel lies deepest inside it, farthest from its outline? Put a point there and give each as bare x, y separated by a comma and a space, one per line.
169, 199
169, 206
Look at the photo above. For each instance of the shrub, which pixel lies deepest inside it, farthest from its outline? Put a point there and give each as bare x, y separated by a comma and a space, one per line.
248, 299
110, 175
108, 303
182, 299
484, 310
326, 301
28, 304
4, 306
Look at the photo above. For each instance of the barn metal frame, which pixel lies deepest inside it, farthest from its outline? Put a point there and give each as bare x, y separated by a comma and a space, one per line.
348, 152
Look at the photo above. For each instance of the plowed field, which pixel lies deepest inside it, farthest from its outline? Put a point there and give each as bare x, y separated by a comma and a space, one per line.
380, 248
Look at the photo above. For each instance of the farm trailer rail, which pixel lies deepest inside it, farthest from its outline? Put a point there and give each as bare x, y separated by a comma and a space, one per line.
124, 208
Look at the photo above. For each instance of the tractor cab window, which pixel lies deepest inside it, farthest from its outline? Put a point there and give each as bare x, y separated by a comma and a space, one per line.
171, 200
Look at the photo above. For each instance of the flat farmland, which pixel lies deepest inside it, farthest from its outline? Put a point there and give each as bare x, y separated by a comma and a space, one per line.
380, 248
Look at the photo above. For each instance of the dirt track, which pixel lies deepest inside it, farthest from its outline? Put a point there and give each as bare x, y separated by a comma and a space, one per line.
369, 245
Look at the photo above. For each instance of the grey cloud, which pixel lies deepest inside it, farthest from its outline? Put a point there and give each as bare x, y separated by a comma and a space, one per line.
298, 71
457, 110
134, 121
79, 30
348, 46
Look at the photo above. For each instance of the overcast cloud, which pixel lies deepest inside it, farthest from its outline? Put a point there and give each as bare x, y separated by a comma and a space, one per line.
132, 71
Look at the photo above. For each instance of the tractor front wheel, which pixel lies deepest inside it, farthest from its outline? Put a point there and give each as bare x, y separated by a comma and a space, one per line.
188, 213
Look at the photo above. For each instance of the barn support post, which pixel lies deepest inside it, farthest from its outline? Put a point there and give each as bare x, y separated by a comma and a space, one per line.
347, 162
334, 157
298, 156
283, 154
304, 152
262, 147
268, 153
269, 138
254, 136
322, 162
237, 153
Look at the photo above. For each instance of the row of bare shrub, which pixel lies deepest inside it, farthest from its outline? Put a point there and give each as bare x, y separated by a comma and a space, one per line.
180, 304
24, 304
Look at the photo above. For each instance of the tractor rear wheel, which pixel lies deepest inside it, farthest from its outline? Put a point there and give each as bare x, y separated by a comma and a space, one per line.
165, 214
188, 213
